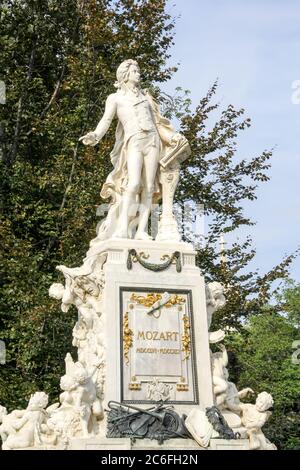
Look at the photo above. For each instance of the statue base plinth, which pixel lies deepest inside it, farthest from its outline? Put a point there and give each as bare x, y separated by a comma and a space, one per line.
161, 355
168, 230
125, 444
144, 361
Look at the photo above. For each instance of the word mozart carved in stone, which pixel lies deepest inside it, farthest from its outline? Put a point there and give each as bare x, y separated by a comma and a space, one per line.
158, 336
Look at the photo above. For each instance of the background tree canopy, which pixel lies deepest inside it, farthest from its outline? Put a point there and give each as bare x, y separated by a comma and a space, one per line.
261, 357
58, 61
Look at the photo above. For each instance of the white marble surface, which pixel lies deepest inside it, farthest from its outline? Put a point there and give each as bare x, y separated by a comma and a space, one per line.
157, 349
143, 139
199, 427
101, 373
118, 276
232, 444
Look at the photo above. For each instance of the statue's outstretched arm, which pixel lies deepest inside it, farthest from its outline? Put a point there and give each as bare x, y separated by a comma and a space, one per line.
246, 391
92, 138
109, 114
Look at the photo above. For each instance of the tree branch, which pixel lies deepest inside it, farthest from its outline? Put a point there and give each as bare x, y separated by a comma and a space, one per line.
22, 98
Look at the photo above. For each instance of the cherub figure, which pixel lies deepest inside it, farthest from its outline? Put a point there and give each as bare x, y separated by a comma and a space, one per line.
219, 361
86, 399
80, 291
215, 299
22, 428
233, 397
65, 420
80, 405
254, 417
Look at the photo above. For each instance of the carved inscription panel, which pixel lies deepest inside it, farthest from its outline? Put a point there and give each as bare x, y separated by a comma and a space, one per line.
157, 350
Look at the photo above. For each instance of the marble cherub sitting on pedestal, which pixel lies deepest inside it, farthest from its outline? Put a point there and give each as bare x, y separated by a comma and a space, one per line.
254, 417
246, 418
80, 408
226, 394
82, 291
23, 428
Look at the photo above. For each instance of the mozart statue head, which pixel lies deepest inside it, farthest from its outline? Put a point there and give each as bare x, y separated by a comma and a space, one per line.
127, 71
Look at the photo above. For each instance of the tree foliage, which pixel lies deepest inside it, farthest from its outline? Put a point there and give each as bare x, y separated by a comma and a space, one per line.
261, 358
215, 177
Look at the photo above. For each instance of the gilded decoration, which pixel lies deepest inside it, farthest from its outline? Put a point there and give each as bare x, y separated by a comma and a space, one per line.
127, 337
150, 299
186, 337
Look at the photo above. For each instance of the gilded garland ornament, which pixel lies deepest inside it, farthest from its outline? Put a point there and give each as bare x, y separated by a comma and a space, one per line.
127, 338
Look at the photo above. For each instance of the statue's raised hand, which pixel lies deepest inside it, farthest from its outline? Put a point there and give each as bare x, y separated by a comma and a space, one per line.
176, 139
90, 138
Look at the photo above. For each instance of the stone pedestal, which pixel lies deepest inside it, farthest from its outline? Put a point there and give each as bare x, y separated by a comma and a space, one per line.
159, 355
125, 444
225, 444
142, 339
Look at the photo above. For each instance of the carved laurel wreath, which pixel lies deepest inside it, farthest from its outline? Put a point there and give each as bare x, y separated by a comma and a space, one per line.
134, 256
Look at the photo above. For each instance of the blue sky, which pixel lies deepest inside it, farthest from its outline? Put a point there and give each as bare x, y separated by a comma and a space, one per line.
253, 47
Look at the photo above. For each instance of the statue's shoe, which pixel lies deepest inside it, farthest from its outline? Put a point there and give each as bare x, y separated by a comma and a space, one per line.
142, 236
